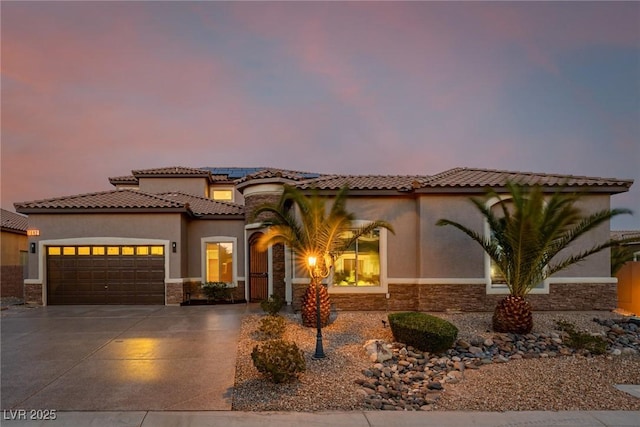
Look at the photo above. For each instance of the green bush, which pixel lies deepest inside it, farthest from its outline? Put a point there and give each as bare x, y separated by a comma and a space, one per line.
279, 360
422, 331
216, 290
582, 340
272, 327
272, 305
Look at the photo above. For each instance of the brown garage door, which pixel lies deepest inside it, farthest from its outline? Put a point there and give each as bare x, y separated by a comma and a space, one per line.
105, 274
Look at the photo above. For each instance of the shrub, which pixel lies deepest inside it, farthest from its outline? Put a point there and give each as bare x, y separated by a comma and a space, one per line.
272, 305
582, 340
279, 360
272, 327
216, 290
422, 331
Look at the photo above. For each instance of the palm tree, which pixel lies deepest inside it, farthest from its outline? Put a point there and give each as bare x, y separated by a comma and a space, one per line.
305, 225
525, 241
622, 253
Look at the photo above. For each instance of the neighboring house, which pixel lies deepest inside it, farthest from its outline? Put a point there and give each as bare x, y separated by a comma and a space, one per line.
163, 231
629, 275
14, 254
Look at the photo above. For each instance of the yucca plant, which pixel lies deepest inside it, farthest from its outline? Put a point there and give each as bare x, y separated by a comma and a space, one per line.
527, 235
308, 226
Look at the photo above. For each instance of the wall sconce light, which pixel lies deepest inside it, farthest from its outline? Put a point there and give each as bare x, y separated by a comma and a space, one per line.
174, 246
32, 247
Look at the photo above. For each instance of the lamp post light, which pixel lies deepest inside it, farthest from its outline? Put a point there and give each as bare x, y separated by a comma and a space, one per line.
316, 274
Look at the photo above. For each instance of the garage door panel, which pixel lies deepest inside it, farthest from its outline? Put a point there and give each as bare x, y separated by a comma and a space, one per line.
79, 276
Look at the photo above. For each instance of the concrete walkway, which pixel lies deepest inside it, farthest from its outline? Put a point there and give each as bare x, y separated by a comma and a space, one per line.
333, 419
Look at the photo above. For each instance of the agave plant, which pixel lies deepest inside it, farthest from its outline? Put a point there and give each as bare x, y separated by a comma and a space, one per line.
527, 235
306, 225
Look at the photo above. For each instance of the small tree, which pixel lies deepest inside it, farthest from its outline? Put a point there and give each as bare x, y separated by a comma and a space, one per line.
525, 242
311, 229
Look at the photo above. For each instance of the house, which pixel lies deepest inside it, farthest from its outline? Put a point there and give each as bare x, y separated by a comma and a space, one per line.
13, 259
161, 232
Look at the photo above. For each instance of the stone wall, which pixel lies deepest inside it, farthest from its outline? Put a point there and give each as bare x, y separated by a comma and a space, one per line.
278, 273
33, 294
443, 297
12, 281
175, 293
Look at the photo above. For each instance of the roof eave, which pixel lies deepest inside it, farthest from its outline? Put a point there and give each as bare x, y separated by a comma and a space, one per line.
33, 210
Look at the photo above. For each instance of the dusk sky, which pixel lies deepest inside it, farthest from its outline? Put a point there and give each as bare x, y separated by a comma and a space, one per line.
92, 90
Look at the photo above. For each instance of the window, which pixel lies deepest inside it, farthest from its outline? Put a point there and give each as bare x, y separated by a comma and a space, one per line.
223, 194
54, 250
497, 278
360, 264
84, 250
219, 262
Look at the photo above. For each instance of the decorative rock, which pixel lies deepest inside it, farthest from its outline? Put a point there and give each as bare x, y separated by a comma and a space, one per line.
475, 350
378, 351
434, 385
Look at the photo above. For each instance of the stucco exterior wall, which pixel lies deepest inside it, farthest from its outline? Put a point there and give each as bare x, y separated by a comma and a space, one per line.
597, 265
12, 245
196, 186
213, 228
12, 271
446, 252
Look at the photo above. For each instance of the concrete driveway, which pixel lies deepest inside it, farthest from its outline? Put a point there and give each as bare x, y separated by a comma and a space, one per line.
97, 358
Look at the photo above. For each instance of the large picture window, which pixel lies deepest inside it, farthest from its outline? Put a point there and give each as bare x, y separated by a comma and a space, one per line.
219, 262
360, 264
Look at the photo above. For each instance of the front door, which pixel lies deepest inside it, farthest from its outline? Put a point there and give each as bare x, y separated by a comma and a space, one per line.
258, 271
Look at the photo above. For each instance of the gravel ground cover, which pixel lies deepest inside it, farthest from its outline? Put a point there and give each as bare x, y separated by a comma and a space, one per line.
556, 383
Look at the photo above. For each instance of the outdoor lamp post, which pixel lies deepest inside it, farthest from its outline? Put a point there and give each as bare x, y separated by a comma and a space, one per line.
317, 273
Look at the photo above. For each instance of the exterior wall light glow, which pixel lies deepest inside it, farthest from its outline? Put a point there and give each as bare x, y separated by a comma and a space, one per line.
33, 232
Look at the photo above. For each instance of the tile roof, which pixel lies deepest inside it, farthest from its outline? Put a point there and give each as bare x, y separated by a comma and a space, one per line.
279, 173
363, 182
625, 234
171, 171
470, 177
115, 199
12, 221
204, 206
126, 180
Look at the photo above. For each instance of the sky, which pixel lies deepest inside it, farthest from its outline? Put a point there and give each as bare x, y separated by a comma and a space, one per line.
91, 90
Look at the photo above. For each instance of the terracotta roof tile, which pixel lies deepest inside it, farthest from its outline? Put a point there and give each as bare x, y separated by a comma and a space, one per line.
625, 234
363, 182
469, 177
126, 180
171, 171
204, 206
13, 221
116, 199
279, 173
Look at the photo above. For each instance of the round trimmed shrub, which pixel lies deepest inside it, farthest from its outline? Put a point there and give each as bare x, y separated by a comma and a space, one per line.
272, 305
272, 327
423, 331
279, 360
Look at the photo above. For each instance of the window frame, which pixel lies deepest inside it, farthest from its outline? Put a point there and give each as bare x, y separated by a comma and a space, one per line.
234, 256
381, 288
